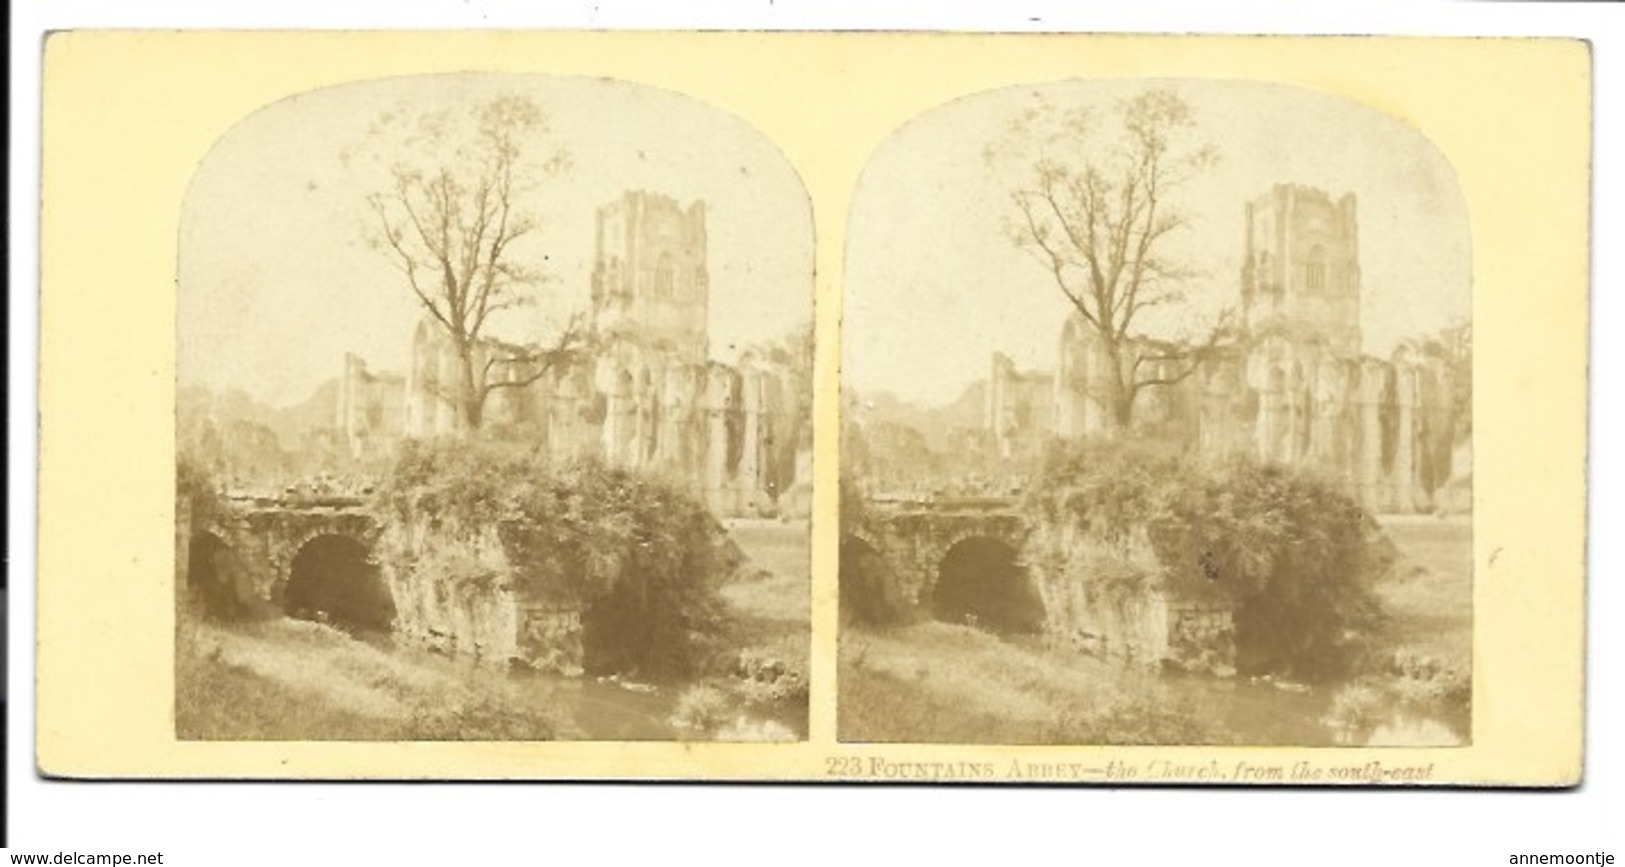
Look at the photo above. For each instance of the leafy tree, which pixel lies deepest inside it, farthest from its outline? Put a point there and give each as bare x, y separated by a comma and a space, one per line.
1096, 201
451, 211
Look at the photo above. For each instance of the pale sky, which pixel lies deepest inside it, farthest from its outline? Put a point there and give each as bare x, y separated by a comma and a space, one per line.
934, 285
277, 283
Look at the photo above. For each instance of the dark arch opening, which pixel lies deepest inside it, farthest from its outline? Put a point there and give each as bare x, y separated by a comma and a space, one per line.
210, 577
981, 582
868, 594
332, 581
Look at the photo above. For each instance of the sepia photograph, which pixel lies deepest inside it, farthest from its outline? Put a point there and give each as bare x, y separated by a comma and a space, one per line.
1157, 424
1112, 410
493, 419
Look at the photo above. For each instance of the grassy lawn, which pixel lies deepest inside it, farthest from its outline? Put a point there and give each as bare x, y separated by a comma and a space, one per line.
1431, 603
945, 683
774, 610
296, 680
772, 618
780, 547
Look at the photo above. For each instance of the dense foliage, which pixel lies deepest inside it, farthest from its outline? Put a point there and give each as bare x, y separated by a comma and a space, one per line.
1295, 555
644, 557
198, 488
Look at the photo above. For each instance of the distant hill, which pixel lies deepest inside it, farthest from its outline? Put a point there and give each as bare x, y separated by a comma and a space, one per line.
235, 407
318, 411
936, 424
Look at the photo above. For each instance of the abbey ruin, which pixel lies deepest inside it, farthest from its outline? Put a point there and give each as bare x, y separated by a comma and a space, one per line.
1294, 386
646, 395
1298, 388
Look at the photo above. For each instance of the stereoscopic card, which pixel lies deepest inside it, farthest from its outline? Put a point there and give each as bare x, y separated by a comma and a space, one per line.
824, 407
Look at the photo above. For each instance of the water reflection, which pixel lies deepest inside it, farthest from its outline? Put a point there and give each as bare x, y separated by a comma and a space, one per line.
1413, 731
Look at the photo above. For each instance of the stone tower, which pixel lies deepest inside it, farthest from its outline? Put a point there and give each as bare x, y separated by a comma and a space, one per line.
650, 287
1301, 271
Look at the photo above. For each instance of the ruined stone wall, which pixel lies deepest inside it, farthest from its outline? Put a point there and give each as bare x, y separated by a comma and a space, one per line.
1021, 409
1301, 265
1298, 390
738, 436
372, 409
650, 285
455, 592
1380, 430
1114, 600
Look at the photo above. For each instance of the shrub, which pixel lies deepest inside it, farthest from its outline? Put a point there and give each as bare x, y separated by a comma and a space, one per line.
644, 559
702, 708
1426, 681
1356, 709
1295, 556
198, 488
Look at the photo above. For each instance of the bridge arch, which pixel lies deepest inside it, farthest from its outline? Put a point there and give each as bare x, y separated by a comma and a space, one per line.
333, 578
981, 580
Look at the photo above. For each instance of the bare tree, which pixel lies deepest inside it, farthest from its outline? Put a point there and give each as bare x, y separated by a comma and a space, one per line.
1096, 204
451, 215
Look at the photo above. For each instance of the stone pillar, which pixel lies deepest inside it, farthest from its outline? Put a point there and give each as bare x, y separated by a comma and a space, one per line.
1272, 415
618, 415
1328, 441
669, 437
557, 412
1071, 384
750, 472
994, 414
718, 404
1369, 453
1405, 483
1297, 420
1442, 422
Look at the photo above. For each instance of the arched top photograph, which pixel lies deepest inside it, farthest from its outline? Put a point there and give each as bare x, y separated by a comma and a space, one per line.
1165, 330
497, 322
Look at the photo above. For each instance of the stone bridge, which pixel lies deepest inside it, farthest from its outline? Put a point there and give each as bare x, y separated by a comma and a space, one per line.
983, 563
956, 560
308, 556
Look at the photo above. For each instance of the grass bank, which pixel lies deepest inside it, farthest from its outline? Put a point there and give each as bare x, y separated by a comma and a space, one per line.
297, 680
945, 683
761, 692
1430, 599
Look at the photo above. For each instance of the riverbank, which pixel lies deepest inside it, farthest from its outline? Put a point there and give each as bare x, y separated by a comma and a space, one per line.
947, 683
289, 679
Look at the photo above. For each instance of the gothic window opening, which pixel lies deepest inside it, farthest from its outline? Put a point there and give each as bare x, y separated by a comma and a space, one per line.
1315, 271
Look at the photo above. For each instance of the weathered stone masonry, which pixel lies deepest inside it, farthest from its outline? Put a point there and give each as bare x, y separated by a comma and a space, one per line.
736, 436
1298, 389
